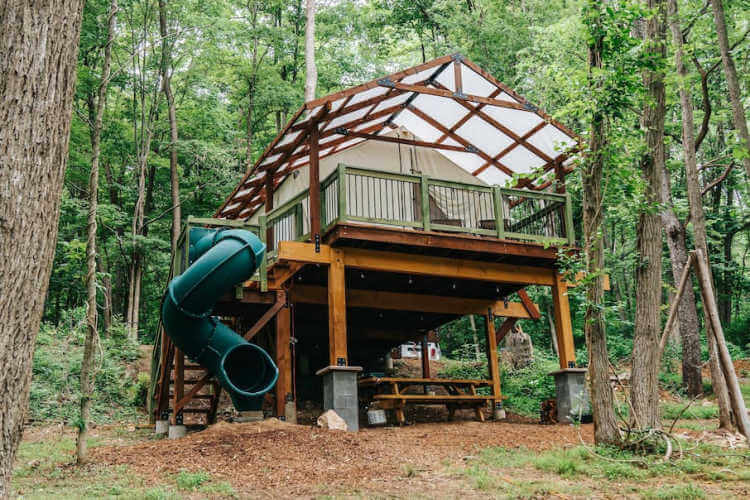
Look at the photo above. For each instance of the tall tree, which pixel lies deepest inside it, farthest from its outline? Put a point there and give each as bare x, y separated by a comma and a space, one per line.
38, 53
311, 70
697, 217
602, 399
166, 80
730, 73
87, 364
644, 387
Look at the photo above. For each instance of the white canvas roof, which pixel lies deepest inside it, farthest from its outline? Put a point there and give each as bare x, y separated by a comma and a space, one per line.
448, 104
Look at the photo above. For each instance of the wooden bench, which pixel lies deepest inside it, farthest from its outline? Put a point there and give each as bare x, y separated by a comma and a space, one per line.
462, 393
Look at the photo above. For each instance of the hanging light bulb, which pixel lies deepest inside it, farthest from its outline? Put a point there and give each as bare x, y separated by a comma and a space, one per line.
411, 280
362, 275
453, 285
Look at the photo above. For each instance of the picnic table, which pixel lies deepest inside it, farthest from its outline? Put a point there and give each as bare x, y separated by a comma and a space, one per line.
393, 393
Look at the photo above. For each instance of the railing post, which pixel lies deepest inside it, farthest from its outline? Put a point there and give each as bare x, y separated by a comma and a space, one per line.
262, 270
497, 195
323, 207
569, 230
299, 223
342, 192
425, 202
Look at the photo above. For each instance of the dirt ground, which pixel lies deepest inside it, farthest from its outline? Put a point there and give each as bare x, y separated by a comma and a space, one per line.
279, 459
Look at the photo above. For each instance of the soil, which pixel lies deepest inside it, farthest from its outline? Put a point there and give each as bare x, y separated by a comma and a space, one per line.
282, 459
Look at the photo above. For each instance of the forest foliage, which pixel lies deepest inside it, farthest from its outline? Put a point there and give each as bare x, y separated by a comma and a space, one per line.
237, 73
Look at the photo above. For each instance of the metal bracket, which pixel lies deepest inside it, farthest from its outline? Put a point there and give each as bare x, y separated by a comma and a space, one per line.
457, 57
571, 364
340, 361
386, 82
471, 149
460, 95
530, 107
341, 131
317, 243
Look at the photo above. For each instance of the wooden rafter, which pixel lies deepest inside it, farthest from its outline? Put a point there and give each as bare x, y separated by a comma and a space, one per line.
421, 89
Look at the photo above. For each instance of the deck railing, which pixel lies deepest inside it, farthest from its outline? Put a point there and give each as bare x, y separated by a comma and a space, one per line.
419, 201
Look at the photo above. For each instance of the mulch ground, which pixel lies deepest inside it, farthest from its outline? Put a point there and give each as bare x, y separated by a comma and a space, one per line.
275, 458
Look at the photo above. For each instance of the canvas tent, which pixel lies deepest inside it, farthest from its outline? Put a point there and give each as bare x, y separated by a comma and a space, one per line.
449, 105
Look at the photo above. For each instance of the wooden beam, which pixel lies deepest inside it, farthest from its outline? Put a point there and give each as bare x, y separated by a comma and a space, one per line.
283, 359
563, 325
468, 116
407, 142
337, 349
270, 313
505, 328
492, 360
421, 89
395, 262
397, 301
531, 308
425, 358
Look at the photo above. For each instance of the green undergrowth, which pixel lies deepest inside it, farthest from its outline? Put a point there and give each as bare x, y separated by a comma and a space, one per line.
581, 471
55, 386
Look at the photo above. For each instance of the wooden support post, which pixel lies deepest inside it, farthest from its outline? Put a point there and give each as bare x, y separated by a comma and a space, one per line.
505, 328
563, 323
492, 361
179, 383
337, 310
283, 359
425, 358
314, 183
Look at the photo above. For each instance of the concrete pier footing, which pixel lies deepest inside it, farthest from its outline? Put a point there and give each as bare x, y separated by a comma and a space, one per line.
573, 401
340, 393
177, 431
161, 427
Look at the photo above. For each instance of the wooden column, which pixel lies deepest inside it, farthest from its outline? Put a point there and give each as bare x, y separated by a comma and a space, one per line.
269, 206
425, 358
337, 310
283, 359
492, 361
559, 177
563, 323
314, 183
179, 381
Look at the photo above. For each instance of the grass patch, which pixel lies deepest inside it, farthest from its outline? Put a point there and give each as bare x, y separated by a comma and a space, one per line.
680, 492
191, 481
695, 411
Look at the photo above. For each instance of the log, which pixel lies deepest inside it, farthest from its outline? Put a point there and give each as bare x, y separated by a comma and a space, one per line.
712, 313
675, 304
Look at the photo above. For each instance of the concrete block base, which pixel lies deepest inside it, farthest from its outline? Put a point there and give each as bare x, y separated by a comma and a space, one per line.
161, 427
573, 401
290, 412
340, 393
249, 416
499, 411
177, 431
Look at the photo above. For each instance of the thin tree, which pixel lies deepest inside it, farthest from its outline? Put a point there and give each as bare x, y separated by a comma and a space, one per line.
730, 73
87, 364
644, 386
311, 70
166, 80
602, 399
38, 54
697, 217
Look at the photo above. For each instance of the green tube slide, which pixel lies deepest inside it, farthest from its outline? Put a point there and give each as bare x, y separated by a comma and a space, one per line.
218, 261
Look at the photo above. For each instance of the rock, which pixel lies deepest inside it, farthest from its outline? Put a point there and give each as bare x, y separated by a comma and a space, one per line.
331, 420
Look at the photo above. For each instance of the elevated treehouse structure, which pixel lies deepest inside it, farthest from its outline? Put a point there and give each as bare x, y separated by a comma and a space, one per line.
384, 217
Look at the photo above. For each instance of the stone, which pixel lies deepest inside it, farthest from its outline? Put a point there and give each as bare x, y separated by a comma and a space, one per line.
161, 427
177, 431
331, 420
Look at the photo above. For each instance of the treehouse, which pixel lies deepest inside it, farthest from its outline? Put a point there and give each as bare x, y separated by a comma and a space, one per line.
388, 210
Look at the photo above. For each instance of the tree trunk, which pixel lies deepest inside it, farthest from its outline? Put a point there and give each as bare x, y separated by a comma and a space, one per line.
166, 58
644, 380
311, 71
687, 319
730, 73
473, 325
87, 364
38, 53
697, 217
605, 424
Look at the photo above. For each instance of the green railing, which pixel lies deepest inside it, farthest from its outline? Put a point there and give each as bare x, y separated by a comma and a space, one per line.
421, 202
